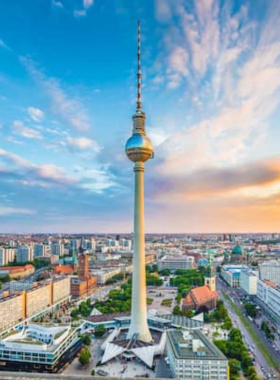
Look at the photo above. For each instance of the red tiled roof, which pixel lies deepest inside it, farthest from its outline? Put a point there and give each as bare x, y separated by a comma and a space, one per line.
14, 269
200, 295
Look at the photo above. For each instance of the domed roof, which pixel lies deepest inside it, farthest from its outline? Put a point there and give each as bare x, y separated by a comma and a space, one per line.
202, 262
212, 251
237, 250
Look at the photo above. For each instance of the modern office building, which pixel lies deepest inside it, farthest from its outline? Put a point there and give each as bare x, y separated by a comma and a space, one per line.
270, 270
248, 281
231, 274
191, 356
37, 348
57, 249
268, 292
40, 250
174, 263
24, 253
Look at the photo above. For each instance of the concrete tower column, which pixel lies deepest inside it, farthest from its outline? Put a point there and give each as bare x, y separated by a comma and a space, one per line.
139, 323
139, 149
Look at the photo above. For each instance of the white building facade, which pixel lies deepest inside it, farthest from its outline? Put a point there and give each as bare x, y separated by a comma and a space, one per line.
248, 282
269, 294
174, 263
270, 270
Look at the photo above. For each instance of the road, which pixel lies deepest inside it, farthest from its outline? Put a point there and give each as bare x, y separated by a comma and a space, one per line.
262, 366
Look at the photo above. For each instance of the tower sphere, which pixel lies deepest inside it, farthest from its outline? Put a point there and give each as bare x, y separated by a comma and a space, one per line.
139, 148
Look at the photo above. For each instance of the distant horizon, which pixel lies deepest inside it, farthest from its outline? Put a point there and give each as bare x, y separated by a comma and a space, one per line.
131, 233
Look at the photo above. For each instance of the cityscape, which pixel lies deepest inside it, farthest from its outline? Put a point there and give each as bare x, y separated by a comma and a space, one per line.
149, 248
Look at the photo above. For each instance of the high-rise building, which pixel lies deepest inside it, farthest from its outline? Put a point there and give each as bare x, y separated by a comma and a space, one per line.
24, 253
7, 255
73, 246
91, 245
57, 249
139, 149
40, 250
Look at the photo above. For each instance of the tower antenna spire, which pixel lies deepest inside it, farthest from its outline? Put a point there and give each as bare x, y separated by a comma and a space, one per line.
139, 75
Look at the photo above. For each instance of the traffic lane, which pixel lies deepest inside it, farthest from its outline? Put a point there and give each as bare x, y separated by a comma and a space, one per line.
258, 355
262, 337
260, 360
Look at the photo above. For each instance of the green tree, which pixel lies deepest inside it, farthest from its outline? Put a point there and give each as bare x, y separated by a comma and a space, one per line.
99, 331
189, 314
155, 267
177, 310
74, 313
92, 372
0, 285
251, 309
178, 298
84, 357
86, 339
165, 272
234, 366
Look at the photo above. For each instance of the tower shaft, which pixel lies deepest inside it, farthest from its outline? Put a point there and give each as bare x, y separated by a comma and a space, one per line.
139, 324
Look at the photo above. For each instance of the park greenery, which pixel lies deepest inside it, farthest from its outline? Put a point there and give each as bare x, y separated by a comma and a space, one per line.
99, 331
86, 339
237, 353
261, 347
266, 329
185, 279
118, 277
119, 301
6, 278
251, 309
84, 357
233, 348
83, 310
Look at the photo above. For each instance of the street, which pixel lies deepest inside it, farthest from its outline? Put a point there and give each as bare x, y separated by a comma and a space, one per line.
262, 367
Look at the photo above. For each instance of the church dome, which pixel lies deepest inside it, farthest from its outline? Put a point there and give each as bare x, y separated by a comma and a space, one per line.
237, 250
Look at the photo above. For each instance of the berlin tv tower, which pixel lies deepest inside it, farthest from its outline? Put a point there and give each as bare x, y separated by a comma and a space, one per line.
139, 149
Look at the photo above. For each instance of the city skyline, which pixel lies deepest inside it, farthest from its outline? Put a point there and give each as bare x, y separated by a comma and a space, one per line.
211, 92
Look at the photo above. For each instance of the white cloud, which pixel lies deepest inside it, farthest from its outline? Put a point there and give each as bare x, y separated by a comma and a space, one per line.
3, 45
86, 4
69, 109
35, 114
163, 10
178, 61
14, 210
238, 83
82, 143
57, 4
42, 175
21, 130
79, 13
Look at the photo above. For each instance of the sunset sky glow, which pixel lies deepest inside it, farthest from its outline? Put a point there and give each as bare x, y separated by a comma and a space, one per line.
211, 91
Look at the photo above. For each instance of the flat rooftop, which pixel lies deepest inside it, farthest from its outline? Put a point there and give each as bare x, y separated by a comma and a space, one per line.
190, 345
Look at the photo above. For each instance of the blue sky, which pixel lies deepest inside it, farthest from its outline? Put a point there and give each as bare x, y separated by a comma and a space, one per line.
211, 79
